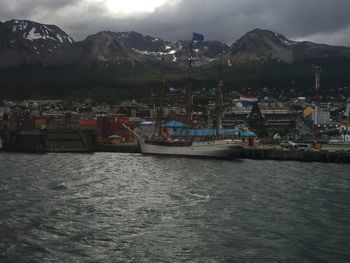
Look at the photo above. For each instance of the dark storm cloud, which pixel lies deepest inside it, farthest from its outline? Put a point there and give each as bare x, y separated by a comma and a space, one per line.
325, 21
28, 8
229, 19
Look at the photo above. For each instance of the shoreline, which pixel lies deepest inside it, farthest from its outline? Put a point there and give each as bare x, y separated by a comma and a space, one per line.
263, 152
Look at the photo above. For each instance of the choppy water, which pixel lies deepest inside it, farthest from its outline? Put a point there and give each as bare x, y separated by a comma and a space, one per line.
110, 207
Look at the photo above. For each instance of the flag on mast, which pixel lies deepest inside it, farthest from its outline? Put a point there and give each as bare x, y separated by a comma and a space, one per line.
197, 37
247, 100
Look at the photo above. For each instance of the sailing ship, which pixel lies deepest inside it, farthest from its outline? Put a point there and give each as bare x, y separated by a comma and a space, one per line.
190, 146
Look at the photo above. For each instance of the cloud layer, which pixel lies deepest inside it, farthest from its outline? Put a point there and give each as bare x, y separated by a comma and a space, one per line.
325, 21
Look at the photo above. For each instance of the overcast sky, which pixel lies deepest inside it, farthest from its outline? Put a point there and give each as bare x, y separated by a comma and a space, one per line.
323, 21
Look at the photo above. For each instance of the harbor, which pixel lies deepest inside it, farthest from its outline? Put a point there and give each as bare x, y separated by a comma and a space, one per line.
174, 131
183, 123
63, 141
213, 123
114, 131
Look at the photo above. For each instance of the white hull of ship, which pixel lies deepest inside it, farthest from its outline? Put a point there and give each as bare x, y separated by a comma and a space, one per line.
209, 149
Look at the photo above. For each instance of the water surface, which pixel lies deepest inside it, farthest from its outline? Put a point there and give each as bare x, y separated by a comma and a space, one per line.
110, 207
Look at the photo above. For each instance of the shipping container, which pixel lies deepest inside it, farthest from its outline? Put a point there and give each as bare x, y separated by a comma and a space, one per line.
88, 123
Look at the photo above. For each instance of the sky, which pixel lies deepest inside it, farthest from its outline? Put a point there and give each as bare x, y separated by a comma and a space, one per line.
321, 21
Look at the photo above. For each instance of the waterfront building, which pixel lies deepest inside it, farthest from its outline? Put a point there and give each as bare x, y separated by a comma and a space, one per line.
321, 116
276, 117
347, 109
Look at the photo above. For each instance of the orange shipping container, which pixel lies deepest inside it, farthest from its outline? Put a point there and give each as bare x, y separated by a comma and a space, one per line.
88, 123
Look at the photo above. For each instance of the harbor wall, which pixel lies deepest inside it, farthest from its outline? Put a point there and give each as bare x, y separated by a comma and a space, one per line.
293, 155
70, 140
23, 141
83, 141
53, 140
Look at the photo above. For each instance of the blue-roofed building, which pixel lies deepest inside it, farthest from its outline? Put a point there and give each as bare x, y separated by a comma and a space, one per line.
177, 130
173, 124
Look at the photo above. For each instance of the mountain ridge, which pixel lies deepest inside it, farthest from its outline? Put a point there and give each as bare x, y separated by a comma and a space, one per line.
37, 59
28, 42
261, 45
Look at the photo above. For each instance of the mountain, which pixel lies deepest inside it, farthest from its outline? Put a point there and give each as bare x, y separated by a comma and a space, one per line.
102, 48
42, 60
24, 42
140, 42
264, 45
27, 42
178, 51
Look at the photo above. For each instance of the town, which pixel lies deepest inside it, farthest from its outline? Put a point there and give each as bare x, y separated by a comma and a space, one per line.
65, 126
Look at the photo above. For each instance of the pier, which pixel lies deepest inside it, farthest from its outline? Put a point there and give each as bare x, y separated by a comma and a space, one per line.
83, 141
327, 154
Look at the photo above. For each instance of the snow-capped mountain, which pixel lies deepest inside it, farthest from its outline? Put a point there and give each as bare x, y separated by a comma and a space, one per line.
178, 51
33, 31
263, 45
24, 42
27, 42
53, 62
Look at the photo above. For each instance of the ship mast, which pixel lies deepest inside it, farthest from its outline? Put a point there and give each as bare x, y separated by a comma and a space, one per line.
219, 105
189, 95
159, 113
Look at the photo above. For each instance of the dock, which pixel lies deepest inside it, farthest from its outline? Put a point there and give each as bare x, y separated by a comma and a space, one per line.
79, 141
326, 154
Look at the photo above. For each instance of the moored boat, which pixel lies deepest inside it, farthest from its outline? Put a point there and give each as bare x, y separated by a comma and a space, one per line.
205, 149
215, 146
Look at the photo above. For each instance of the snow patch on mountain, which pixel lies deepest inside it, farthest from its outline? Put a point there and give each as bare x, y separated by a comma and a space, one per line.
47, 28
33, 35
59, 38
289, 43
20, 26
284, 40
149, 53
